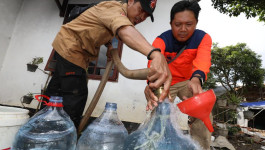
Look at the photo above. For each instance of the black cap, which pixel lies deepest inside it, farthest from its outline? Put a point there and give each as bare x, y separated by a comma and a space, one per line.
149, 7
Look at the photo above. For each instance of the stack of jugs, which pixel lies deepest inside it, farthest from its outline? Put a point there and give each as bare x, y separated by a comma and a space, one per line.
50, 129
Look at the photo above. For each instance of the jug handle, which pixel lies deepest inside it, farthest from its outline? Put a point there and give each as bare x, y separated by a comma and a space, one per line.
47, 97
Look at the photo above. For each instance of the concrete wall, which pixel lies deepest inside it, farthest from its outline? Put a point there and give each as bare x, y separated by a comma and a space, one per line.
36, 26
9, 10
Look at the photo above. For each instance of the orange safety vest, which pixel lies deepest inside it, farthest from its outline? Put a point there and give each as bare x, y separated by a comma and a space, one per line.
195, 59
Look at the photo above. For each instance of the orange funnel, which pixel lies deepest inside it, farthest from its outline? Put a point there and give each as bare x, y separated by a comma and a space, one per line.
200, 106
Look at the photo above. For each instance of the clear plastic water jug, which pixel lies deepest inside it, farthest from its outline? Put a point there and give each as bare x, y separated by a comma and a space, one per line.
106, 132
159, 133
50, 130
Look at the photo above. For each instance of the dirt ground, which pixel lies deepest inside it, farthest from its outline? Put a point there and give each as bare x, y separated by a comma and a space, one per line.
244, 142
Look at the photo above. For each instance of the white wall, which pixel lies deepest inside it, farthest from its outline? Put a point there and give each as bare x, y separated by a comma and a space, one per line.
35, 28
9, 10
36, 25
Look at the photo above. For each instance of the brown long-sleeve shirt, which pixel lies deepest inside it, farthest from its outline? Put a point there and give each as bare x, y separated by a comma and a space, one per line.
79, 41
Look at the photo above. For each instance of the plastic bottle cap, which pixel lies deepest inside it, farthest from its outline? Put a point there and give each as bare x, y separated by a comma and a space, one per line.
56, 99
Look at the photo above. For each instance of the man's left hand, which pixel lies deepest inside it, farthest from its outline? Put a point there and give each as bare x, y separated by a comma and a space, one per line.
195, 86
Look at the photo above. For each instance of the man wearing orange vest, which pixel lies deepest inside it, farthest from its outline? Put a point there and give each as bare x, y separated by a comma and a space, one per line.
188, 53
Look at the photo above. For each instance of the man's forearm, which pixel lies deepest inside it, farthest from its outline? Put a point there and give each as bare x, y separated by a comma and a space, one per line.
134, 39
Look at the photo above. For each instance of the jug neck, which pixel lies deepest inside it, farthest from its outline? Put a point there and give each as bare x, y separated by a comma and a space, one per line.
110, 109
110, 112
110, 106
163, 108
55, 101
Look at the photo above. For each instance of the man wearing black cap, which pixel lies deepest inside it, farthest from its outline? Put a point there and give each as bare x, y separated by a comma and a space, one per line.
78, 43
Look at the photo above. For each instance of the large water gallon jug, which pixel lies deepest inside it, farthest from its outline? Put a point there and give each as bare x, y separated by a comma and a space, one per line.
106, 132
160, 132
51, 130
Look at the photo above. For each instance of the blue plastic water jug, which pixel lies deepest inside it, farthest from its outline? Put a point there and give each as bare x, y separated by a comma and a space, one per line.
158, 133
51, 130
107, 132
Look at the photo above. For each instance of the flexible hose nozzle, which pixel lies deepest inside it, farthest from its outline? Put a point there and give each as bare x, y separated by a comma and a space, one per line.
158, 91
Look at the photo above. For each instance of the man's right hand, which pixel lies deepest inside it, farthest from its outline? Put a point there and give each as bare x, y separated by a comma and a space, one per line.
159, 74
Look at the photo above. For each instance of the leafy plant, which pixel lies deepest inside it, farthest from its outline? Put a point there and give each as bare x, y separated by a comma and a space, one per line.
231, 116
234, 99
233, 130
236, 65
29, 94
27, 98
36, 60
251, 9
